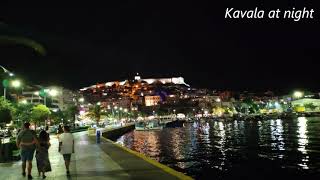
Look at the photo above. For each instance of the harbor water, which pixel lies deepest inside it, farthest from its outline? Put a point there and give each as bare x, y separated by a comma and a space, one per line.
217, 149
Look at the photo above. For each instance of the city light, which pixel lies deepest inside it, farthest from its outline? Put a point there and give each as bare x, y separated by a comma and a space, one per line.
16, 83
36, 93
98, 103
125, 110
53, 92
24, 101
218, 100
298, 94
81, 99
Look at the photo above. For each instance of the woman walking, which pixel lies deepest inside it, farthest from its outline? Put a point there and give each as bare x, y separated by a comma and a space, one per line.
42, 154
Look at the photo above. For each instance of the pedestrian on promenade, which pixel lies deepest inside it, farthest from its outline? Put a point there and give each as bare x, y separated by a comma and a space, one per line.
59, 131
27, 141
47, 130
42, 154
66, 146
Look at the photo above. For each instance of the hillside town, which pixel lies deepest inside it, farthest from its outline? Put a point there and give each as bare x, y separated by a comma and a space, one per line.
139, 98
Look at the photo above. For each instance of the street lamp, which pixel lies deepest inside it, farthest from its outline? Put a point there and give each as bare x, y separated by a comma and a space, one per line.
6, 71
16, 83
45, 92
24, 101
5, 82
53, 92
297, 94
81, 100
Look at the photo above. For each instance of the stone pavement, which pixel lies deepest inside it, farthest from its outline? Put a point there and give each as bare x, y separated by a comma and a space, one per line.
91, 161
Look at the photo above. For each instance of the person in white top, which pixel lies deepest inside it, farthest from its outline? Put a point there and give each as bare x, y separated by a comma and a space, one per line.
66, 146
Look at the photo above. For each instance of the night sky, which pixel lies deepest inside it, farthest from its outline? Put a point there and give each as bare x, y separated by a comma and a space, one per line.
90, 43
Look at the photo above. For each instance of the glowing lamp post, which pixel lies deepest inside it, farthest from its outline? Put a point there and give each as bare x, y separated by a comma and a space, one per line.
5, 84
53, 92
16, 83
24, 101
45, 92
298, 94
81, 100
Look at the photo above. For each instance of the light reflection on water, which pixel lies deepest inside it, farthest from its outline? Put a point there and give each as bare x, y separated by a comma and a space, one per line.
231, 149
303, 141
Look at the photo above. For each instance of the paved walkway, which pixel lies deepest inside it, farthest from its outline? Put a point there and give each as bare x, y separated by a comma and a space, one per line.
91, 161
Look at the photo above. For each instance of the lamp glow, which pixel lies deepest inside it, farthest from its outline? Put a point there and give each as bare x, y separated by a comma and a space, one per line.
53, 92
81, 99
16, 83
298, 94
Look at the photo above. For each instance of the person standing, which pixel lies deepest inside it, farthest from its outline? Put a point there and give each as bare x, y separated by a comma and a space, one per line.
27, 141
59, 131
42, 154
66, 147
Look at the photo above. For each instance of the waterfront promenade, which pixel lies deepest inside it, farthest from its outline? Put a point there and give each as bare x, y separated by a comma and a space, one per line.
95, 161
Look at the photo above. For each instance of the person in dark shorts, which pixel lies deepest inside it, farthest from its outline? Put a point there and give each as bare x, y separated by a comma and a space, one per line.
66, 146
27, 141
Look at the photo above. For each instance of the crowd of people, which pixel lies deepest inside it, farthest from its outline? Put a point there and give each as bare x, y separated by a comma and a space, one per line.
30, 143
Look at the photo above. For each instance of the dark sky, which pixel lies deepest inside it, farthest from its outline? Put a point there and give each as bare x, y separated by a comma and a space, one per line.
89, 43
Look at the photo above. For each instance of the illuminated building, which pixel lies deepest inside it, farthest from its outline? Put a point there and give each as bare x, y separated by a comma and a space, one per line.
150, 81
152, 100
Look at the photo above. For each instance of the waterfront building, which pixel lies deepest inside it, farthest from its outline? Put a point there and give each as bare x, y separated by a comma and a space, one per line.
56, 97
152, 100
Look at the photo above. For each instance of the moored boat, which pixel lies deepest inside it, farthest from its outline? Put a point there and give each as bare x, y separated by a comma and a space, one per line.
148, 125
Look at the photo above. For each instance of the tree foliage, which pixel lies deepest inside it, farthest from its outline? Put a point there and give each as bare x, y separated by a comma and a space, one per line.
6, 111
310, 106
58, 117
95, 113
71, 112
23, 113
40, 113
